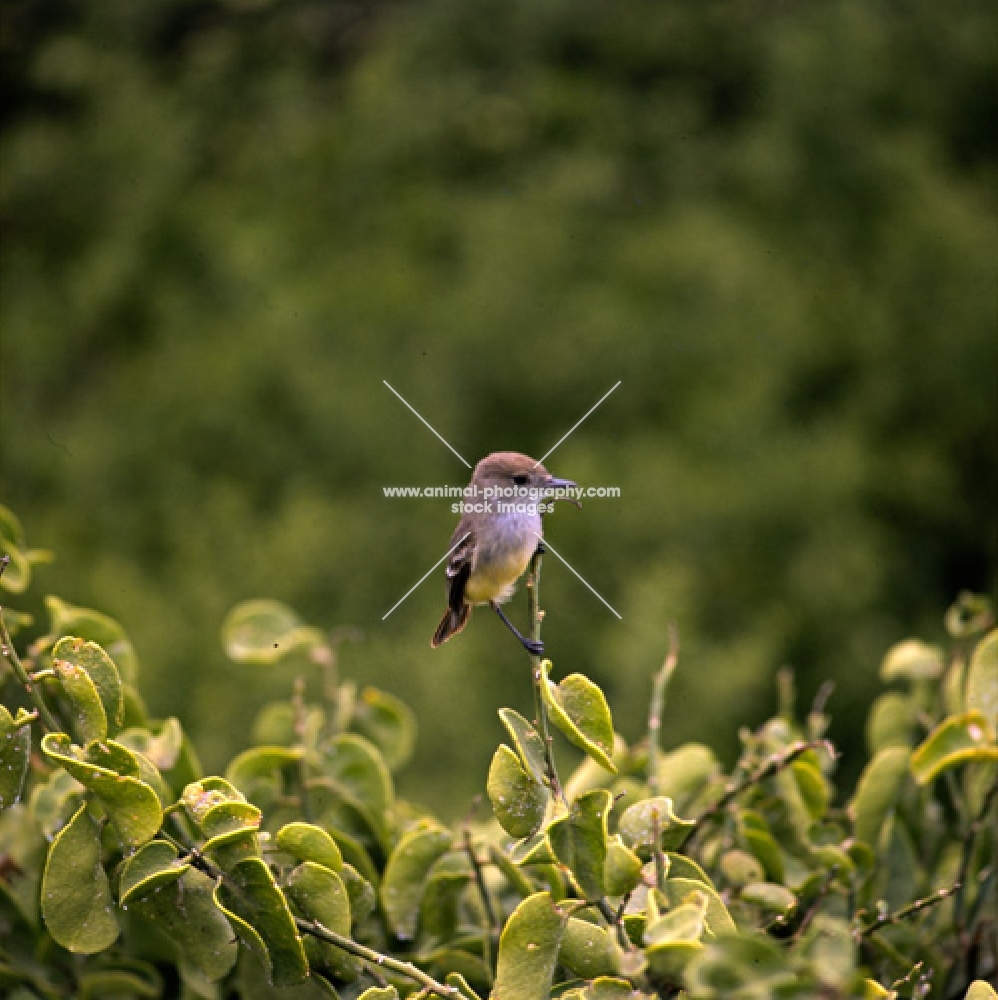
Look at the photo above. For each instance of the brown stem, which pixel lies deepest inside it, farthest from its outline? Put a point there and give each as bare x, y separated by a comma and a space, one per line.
657, 704
34, 691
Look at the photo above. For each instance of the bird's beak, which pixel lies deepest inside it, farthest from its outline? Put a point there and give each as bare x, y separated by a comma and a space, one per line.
563, 484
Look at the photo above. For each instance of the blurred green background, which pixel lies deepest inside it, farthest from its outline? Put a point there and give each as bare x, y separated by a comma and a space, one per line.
225, 223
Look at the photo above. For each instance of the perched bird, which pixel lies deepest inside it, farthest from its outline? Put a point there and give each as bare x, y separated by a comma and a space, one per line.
497, 535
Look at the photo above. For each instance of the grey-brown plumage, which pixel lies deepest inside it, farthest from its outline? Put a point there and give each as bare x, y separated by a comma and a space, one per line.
493, 547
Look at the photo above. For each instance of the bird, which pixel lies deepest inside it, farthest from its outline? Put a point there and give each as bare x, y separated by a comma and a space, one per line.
498, 534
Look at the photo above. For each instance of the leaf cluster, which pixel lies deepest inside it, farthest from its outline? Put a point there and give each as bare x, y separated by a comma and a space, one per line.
127, 871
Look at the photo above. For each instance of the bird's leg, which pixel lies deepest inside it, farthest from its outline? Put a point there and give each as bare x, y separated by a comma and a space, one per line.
534, 647
541, 549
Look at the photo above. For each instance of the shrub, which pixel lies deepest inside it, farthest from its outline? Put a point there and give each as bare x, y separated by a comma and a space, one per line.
127, 872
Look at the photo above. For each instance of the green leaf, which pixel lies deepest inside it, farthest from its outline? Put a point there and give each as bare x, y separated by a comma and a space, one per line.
16, 577
811, 785
15, 751
88, 718
528, 950
579, 709
76, 897
982, 678
639, 823
264, 632
739, 867
259, 772
357, 767
527, 742
674, 938
133, 807
66, 619
186, 913
757, 837
622, 869
587, 950
152, 866
388, 723
579, 841
956, 740
439, 910
318, 893
379, 993
684, 772
878, 789
90, 657
132, 979
677, 889
255, 901
891, 721
230, 822
770, 896
912, 660
405, 876
363, 898
200, 797
518, 801
980, 990
308, 842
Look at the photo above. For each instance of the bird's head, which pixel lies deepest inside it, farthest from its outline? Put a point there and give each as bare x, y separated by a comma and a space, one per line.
512, 469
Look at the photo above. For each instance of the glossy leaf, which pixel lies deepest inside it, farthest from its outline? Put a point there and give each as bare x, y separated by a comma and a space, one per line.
588, 950
264, 632
90, 657
578, 708
185, 911
87, 711
76, 896
518, 801
622, 869
132, 806
956, 740
67, 619
318, 893
527, 742
640, 822
253, 897
308, 842
357, 767
15, 750
891, 721
674, 938
151, 867
528, 950
579, 841
405, 876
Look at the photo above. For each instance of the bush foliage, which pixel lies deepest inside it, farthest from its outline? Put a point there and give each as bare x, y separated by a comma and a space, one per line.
128, 872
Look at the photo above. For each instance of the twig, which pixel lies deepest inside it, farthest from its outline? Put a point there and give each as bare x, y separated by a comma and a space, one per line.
657, 704
908, 911
300, 721
492, 929
536, 616
769, 769
34, 691
406, 969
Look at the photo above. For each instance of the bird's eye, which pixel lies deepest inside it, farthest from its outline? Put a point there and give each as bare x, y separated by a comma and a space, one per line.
521, 479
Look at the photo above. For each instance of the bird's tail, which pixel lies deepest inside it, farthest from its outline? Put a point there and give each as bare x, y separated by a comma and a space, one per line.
453, 621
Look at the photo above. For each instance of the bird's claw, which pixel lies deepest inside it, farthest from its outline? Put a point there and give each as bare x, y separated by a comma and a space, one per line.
534, 647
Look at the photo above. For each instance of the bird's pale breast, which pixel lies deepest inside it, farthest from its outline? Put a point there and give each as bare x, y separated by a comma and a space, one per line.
503, 556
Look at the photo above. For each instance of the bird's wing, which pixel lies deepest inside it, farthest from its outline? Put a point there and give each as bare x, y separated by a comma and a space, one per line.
459, 567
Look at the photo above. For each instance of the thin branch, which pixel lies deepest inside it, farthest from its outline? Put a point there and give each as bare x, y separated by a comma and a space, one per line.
536, 617
34, 691
492, 928
773, 766
657, 705
908, 911
406, 969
